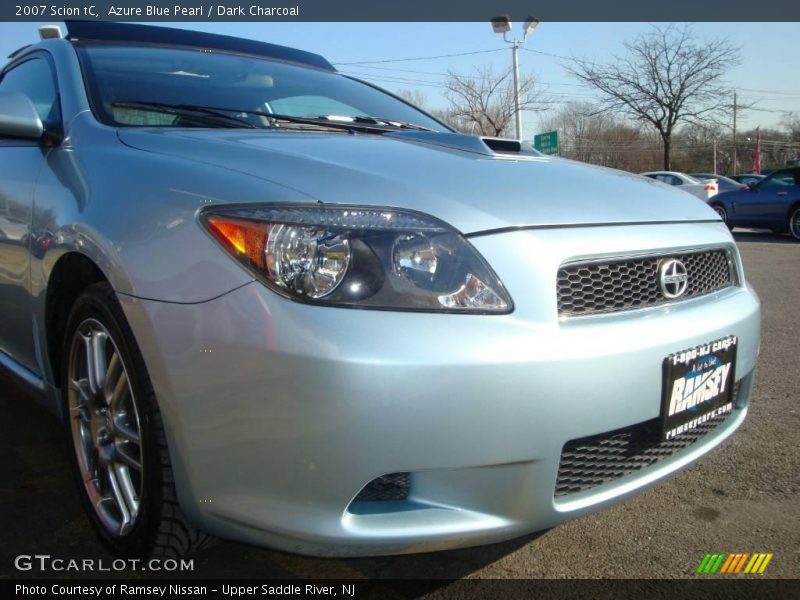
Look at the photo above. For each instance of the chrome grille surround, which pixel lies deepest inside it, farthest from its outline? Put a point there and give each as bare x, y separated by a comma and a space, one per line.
620, 284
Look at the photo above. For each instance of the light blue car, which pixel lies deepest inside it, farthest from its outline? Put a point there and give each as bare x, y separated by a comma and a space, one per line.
276, 304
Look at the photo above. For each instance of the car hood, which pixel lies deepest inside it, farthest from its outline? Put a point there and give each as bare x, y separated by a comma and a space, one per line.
448, 176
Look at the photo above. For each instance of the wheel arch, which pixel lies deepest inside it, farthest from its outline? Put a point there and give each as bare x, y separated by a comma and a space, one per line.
717, 202
72, 273
713, 203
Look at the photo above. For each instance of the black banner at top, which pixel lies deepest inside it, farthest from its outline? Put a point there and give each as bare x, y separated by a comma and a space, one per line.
395, 10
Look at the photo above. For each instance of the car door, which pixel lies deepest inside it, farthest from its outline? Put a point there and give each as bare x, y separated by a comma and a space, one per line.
21, 161
763, 204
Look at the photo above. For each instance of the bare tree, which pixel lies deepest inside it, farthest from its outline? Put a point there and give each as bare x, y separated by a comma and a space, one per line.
445, 115
791, 123
483, 102
414, 97
600, 138
666, 78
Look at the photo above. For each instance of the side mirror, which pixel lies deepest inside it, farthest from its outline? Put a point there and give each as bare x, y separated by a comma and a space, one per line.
18, 117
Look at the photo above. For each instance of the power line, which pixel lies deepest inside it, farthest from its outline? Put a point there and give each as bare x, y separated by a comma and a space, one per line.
777, 92
395, 80
388, 78
441, 74
766, 110
542, 52
393, 60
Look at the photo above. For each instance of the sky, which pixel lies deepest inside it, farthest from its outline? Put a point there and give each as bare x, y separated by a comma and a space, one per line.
766, 76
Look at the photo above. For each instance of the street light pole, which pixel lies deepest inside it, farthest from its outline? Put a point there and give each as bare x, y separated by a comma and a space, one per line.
735, 161
517, 107
502, 24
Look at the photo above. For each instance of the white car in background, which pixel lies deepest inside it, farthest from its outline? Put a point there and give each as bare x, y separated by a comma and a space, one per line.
702, 189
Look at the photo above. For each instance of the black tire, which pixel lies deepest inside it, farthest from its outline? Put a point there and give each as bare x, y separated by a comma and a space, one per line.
794, 223
159, 528
723, 214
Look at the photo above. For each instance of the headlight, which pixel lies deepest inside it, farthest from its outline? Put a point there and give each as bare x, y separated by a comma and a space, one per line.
362, 257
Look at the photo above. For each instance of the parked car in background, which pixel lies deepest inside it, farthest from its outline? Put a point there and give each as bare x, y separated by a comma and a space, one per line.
702, 189
12, 230
746, 178
725, 184
771, 203
276, 304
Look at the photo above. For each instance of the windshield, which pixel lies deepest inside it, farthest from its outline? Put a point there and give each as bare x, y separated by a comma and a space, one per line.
127, 83
779, 178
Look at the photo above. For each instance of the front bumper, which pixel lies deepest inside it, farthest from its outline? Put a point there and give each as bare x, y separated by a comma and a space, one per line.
279, 413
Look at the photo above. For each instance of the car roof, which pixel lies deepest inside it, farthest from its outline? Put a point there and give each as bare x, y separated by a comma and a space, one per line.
675, 173
165, 36
793, 170
711, 176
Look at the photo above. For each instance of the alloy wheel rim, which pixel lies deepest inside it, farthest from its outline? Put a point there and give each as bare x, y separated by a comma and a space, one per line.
106, 431
721, 212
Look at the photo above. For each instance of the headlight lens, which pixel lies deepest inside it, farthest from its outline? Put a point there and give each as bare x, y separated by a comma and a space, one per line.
382, 258
305, 260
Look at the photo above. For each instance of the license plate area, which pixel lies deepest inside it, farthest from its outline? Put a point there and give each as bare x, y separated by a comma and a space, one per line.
698, 386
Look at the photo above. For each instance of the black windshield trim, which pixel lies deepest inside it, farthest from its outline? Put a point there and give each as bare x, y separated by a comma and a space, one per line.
169, 37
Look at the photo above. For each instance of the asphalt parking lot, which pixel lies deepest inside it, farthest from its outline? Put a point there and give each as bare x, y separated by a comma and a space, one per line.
741, 498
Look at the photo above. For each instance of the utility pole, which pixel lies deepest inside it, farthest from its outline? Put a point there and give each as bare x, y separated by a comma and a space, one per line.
735, 162
715, 156
517, 107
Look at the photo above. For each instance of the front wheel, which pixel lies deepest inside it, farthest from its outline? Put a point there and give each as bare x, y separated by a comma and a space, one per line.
723, 214
119, 456
794, 223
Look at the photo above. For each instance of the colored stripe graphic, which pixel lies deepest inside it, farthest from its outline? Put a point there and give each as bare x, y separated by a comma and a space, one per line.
727, 564
740, 564
714, 562
703, 563
731, 563
720, 560
764, 564
754, 562
734, 563
758, 563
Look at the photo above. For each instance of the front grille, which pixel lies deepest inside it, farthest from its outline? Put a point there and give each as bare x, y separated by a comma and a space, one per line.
598, 459
604, 287
394, 486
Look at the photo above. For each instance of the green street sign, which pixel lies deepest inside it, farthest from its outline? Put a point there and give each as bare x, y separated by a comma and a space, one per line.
546, 143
